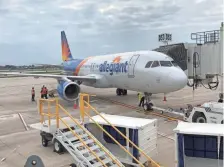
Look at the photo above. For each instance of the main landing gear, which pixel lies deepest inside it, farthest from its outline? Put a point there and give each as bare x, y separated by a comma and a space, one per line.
148, 104
121, 92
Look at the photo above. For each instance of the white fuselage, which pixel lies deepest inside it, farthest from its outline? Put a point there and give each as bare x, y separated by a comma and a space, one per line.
129, 72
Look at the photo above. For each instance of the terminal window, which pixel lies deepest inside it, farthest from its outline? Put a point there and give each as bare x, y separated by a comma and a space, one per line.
201, 146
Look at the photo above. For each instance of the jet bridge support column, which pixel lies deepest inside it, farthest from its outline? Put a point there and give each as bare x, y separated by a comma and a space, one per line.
221, 55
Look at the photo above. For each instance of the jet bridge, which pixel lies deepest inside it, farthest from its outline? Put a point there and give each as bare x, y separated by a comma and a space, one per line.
202, 60
177, 51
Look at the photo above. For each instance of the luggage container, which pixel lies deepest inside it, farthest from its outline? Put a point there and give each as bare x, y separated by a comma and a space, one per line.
142, 132
199, 145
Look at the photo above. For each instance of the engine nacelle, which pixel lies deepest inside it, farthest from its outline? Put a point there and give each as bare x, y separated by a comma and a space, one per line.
68, 90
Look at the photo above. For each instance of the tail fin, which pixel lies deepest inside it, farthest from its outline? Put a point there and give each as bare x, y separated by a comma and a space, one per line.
66, 53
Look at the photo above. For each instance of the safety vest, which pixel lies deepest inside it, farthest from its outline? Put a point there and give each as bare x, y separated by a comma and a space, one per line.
139, 96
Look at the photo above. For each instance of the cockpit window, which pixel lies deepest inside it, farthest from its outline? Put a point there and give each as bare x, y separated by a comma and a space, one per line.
174, 63
148, 64
155, 64
166, 63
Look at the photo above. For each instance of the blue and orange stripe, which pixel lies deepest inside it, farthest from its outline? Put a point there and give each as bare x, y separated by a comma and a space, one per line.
80, 65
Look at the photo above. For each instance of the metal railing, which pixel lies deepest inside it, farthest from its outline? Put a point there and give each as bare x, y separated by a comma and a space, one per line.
84, 104
206, 37
90, 135
59, 118
85, 107
48, 114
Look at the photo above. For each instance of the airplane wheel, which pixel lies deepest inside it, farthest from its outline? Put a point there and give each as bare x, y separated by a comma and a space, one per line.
145, 107
118, 91
58, 148
79, 82
199, 118
125, 92
44, 141
148, 106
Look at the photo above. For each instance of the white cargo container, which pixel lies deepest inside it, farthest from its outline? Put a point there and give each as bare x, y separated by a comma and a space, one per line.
199, 145
142, 132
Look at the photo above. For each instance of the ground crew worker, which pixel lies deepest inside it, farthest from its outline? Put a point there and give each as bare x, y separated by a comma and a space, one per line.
220, 98
139, 96
141, 99
42, 92
46, 93
33, 94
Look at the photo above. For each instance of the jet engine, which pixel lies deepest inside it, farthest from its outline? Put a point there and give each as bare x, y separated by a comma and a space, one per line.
68, 90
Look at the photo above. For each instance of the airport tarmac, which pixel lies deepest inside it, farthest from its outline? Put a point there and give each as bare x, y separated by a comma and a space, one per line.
15, 97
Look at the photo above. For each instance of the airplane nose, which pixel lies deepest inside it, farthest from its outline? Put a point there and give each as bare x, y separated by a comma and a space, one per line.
178, 79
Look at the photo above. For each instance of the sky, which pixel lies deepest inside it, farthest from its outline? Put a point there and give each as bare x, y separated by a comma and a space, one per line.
30, 29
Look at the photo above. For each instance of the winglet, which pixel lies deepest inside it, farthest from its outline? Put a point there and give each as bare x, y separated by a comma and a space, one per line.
66, 53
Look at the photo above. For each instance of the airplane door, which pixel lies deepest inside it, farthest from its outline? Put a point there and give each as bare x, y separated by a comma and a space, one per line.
131, 66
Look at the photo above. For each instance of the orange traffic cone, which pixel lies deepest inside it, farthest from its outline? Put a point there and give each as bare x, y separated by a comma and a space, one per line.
164, 99
75, 106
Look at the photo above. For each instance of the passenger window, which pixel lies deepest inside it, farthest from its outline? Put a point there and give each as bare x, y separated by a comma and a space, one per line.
148, 64
155, 64
166, 63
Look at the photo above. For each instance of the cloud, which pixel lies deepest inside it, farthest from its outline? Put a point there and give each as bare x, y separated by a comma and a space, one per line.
31, 29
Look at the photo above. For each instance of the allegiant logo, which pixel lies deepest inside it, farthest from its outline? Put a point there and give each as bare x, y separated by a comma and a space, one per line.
113, 67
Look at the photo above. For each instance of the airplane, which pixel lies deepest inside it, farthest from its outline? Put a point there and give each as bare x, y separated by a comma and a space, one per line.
150, 72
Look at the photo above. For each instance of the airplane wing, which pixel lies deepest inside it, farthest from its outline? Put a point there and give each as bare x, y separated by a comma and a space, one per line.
88, 78
57, 65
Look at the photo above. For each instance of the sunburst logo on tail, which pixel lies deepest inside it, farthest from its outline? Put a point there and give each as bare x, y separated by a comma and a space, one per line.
65, 51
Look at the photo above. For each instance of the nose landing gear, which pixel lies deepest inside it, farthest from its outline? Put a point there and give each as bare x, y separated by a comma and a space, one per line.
121, 92
148, 104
